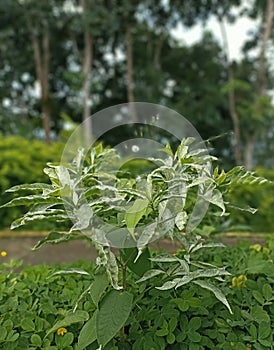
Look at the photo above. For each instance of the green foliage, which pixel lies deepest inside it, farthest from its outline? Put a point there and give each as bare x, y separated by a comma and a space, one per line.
258, 197
106, 207
22, 161
112, 315
36, 303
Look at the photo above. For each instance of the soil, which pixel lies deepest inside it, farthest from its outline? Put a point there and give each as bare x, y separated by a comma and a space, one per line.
20, 247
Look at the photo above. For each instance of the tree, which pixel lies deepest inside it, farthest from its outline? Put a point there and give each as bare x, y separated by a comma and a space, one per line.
29, 60
267, 22
87, 64
231, 94
38, 23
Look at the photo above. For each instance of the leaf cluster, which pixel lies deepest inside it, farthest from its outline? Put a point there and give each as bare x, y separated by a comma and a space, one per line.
39, 300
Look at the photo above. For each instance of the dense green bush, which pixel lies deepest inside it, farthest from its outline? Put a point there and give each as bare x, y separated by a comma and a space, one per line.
36, 307
23, 161
260, 197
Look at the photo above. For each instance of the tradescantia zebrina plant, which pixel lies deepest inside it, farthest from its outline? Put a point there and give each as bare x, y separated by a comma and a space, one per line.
111, 208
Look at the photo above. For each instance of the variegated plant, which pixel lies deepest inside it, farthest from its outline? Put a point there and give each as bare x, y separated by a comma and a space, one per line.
99, 203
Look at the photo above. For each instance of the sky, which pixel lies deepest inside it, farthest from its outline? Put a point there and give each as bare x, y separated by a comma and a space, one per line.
237, 33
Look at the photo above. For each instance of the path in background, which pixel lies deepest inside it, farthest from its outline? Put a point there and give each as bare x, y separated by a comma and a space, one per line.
20, 248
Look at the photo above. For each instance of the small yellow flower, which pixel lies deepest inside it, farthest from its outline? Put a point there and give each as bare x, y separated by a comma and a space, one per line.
62, 331
3, 253
256, 247
174, 254
239, 281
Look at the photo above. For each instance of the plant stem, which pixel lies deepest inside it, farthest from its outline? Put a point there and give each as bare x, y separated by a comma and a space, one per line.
124, 276
124, 283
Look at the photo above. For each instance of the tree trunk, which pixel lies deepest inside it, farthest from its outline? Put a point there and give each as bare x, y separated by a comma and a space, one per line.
231, 96
249, 149
158, 50
266, 34
41, 58
234, 118
86, 67
261, 80
130, 84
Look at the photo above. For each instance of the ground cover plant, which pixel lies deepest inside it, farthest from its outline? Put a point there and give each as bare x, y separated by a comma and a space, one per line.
36, 306
109, 208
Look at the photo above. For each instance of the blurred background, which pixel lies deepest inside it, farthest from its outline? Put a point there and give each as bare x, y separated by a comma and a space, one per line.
211, 61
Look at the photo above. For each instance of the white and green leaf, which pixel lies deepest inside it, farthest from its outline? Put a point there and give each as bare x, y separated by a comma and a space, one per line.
216, 291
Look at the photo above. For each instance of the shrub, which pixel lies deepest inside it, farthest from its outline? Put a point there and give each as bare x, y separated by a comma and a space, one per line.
107, 208
23, 161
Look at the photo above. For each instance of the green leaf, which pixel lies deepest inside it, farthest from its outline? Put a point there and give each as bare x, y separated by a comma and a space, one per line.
27, 324
253, 331
149, 274
259, 266
264, 330
266, 343
36, 340
172, 324
3, 333
113, 313
88, 333
259, 314
143, 263
12, 337
182, 304
135, 213
64, 341
194, 302
195, 337
170, 338
246, 315
167, 150
70, 318
98, 287
216, 291
258, 296
267, 292
162, 332
238, 175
